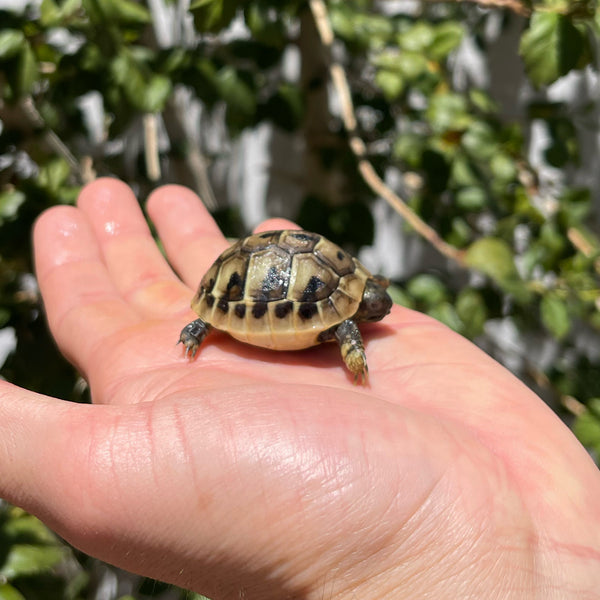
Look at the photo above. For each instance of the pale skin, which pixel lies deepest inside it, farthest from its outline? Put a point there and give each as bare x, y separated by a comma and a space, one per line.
253, 474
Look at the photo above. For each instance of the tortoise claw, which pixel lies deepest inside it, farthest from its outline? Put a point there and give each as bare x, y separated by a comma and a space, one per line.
192, 335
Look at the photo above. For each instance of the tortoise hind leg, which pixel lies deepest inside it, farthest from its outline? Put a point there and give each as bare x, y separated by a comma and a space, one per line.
192, 336
352, 349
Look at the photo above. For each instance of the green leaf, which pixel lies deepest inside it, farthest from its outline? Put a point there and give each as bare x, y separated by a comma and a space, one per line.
448, 111
503, 167
265, 25
8, 592
594, 405
409, 147
239, 96
482, 101
156, 93
26, 559
147, 92
391, 84
472, 311
399, 296
409, 64
52, 15
28, 528
447, 37
123, 11
587, 430
11, 42
446, 313
575, 206
552, 46
214, 15
28, 72
10, 202
493, 257
54, 174
480, 141
427, 289
471, 198
555, 315
462, 172
417, 38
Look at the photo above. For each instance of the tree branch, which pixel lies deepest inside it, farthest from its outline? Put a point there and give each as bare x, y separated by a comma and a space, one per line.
366, 169
54, 142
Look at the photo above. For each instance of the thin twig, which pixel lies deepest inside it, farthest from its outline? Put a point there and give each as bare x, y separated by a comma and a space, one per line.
196, 161
151, 146
573, 406
366, 169
36, 119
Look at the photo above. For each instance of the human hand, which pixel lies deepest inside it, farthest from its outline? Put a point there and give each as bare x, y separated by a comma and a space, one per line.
254, 474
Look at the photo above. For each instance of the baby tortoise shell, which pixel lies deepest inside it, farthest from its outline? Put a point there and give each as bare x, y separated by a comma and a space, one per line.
288, 290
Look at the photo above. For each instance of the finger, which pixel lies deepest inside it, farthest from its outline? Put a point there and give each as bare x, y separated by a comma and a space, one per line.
83, 306
274, 224
132, 257
189, 234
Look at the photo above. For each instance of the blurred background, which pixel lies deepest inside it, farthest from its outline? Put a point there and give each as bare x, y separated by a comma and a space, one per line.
456, 151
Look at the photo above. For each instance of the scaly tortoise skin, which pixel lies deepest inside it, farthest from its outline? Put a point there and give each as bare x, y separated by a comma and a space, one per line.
288, 290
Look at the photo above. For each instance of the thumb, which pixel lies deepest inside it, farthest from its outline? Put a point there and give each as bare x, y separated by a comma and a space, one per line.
34, 431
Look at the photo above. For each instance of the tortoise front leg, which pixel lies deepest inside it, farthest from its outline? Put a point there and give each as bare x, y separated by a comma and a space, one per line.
192, 336
352, 349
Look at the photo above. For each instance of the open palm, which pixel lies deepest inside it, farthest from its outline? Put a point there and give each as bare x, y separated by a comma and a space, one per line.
247, 473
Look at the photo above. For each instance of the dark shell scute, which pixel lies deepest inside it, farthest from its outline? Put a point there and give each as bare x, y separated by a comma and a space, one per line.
259, 309
223, 305
283, 309
311, 291
307, 310
267, 275
240, 310
295, 242
235, 286
273, 285
210, 300
304, 237
311, 279
261, 241
341, 262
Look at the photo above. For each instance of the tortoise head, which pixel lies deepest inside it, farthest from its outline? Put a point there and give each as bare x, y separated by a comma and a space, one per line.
376, 302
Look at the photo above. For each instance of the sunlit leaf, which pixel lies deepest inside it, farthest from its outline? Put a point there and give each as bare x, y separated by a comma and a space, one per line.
53, 14
390, 83
10, 202
552, 46
555, 315
446, 313
427, 289
472, 311
54, 174
26, 559
28, 72
587, 429
11, 42
214, 15
8, 592
471, 198
493, 257
446, 38
124, 11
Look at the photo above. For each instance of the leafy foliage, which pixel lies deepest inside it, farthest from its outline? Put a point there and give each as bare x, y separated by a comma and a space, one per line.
529, 249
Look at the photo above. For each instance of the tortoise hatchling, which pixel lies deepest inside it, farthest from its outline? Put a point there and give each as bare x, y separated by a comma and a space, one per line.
288, 290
